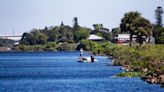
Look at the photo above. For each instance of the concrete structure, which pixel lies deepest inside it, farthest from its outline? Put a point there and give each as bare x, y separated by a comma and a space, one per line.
15, 38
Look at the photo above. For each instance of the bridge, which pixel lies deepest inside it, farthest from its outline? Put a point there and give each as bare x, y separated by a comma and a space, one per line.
6, 46
11, 37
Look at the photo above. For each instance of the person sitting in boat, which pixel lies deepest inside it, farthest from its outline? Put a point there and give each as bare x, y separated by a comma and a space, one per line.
92, 58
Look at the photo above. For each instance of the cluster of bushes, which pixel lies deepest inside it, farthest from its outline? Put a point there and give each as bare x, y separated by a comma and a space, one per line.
51, 46
148, 58
146, 62
99, 48
54, 34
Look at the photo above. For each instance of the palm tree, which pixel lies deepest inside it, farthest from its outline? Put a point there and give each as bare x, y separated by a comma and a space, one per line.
134, 24
127, 24
142, 28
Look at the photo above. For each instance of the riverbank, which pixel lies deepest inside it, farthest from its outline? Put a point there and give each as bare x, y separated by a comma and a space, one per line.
152, 79
146, 62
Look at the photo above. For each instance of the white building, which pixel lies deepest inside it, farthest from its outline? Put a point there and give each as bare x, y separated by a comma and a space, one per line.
94, 38
123, 39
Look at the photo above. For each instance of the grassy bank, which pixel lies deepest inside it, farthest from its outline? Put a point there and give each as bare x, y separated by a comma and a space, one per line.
148, 58
146, 62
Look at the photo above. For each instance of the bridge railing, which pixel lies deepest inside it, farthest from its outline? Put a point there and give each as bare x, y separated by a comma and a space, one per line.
12, 37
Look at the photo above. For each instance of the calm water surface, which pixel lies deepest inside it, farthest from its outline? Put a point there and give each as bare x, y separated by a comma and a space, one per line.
60, 72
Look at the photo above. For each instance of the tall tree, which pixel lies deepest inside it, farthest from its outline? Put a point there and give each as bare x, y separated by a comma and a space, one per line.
115, 32
75, 24
142, 29
158, 14
97, 27
83, 33
134, 24
158, 26
127, 24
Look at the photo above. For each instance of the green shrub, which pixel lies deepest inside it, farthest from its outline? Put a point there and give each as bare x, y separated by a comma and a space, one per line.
130, 74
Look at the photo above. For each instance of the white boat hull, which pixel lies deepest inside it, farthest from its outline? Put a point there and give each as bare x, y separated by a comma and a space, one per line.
87, 59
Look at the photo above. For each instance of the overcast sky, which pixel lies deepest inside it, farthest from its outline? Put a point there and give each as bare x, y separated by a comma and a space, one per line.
18, 16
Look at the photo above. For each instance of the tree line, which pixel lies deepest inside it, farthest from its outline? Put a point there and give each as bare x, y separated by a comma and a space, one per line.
62, 34
132, 23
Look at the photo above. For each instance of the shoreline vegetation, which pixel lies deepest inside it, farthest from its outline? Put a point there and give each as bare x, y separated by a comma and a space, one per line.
146, 61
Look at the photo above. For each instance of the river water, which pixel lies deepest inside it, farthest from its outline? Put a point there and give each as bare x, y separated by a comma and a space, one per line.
60, 72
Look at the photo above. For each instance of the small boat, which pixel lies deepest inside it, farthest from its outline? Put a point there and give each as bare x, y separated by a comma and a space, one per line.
86, 59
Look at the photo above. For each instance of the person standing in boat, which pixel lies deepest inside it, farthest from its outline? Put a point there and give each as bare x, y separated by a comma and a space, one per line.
81, 54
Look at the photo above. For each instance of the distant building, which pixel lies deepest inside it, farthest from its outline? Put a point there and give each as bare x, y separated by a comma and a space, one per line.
123, 39
95, 38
